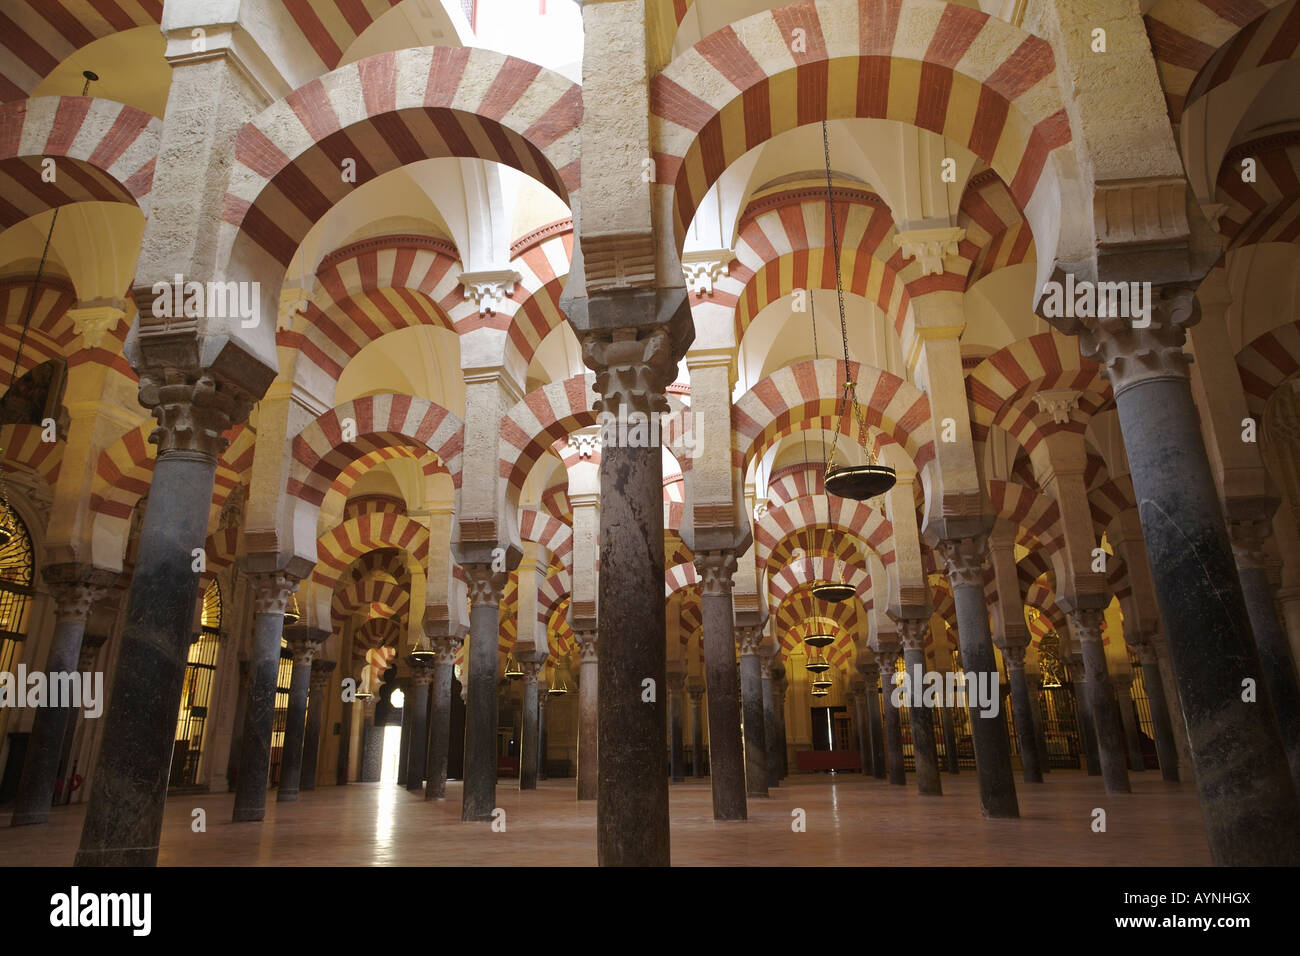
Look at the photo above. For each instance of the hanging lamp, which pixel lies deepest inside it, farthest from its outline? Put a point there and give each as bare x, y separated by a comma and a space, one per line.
833, 592
422, 655
292, 613
560, 688
822, 680
513, 670
858, 482
817, 664
819, 640
819, 691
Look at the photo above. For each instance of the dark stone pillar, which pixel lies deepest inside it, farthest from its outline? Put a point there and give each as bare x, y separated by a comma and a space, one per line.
1128, 721
1022, 711
74, 588
405, 742
696, 692
950, 752
887, 653
1248, 799
304, 644
440, 717
779, 687
417, 702
1083, 715
964, 558
726, 759
771, 739
588, 717
480, 792
1086, 625
1250, 523
271, 590
370, 766
1166, 748
751, 691
870, 672
530, 738
858, 694
913, 632
317, 707
193, 407
1035, 686
543, 697
676, 689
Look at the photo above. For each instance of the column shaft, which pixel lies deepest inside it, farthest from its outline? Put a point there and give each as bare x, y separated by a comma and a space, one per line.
588, 721
316, 707
675, 761
770, 732
893, 723
923, 746
259, 712
1022, 710
295, 730
418, 700
751, 690
726, 759
530, 740
1128, 720
697, 733
1276, 665
1101, 700
480, 789
1166, 747
950, 740
440, 722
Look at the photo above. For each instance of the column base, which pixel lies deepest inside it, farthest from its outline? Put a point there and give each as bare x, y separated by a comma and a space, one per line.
29, 818
248, 816
286, 796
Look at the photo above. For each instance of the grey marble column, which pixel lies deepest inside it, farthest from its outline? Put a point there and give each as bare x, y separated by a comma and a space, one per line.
964, 559
370, 766
676, 691
543, 698
1166, 747
304, 644
444, 665
404, 742
1248, 797
417, 699
480, 790
271, 590
696, 691
1022, 709
588, 717
1035, 685
529, 737
751, 691
1083, 714
1250, 523
858, 694
870, 672
913, 632
726, 759
1086, 624
317, 707
779, 687
950, 747
887, 654
1128, 720
74, 588
770, 737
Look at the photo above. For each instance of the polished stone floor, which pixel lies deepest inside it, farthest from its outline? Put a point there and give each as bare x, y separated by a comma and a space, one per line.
850, 819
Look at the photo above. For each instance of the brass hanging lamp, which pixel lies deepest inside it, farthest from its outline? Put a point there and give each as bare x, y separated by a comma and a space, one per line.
833, 592
819, 640
292, 613
817, 664
858, 482
513, 670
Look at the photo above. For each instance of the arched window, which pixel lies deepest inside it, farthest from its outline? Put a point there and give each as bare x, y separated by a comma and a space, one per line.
16, 574
200, 669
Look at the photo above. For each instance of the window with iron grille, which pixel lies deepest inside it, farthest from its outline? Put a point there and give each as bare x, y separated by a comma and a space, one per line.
16, 574
282, 679
1141, 705
200, 669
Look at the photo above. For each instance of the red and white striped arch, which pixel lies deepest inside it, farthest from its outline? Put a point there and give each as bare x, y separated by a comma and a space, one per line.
679, 577
542, 260
1266, 362
341, 489
389, 110
103, 152
320, 453
1268, 209
811, 390
343, 544
550, 533
818, 568
1108, 500
955, 71
1035, 515
850, 521
994, 227
537, 421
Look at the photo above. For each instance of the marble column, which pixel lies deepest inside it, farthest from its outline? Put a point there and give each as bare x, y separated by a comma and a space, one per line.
317, 706
271, 590
404, 741
770, 737
529, 737
1128, 720
588, 717
964, 559
1250, 523
444, 666
304, 644
887, 655
779, 688
696, 692
751, 692
858, 695
870, 672
74, 589
370, 766
1022, 709
1166, 747
913, 633
543, 698
676, 691
1083, 714
480, 790
1035, 685
129, 789
950, 746
1248, 797
726, 759
417, 700
1086, 624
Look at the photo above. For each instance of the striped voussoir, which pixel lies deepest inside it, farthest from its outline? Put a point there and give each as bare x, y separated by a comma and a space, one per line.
377, 633
675, 550
548, 532
540, 419
371, 597
102, 151
386, 111
371, 504
796, 480
973, 78
994, 226
680, 576
1035, 515
320, 452
898, 410
1266, 362
1185, 35
1268, 209
25, 448
37, 35
801, 615
341, 545
554, 589
341, 489
818, 567
690, 617
1108, 500
360, 585
816, 523
533, 311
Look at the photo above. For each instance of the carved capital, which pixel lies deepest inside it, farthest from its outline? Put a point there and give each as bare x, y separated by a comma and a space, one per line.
587, 647
964, 560
912, 632
702, 269
75, 589
1014, 655
304, 650
193, 409
444, 651
489, 290
271, 590
930, 246
1248, 536
320, 674
1085, 625
485, 585
586, 444
750, 639
715, 569
632, 369
1130, 353
93, 319
1057, 403
421, 675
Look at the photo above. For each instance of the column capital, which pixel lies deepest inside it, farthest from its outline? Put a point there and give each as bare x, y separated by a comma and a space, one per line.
444, 650
194, 407
912, 631
486, 585
1085, 624
1250, 523
1131, 352
676, 679
868, 666
586, 646
695, 687
715, 569
271, 590
930, 246
701, 269
750, 640
303, 650
75, 588
1014, 655
633, 368
421, 673
320, 673
964, 559
490, 289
